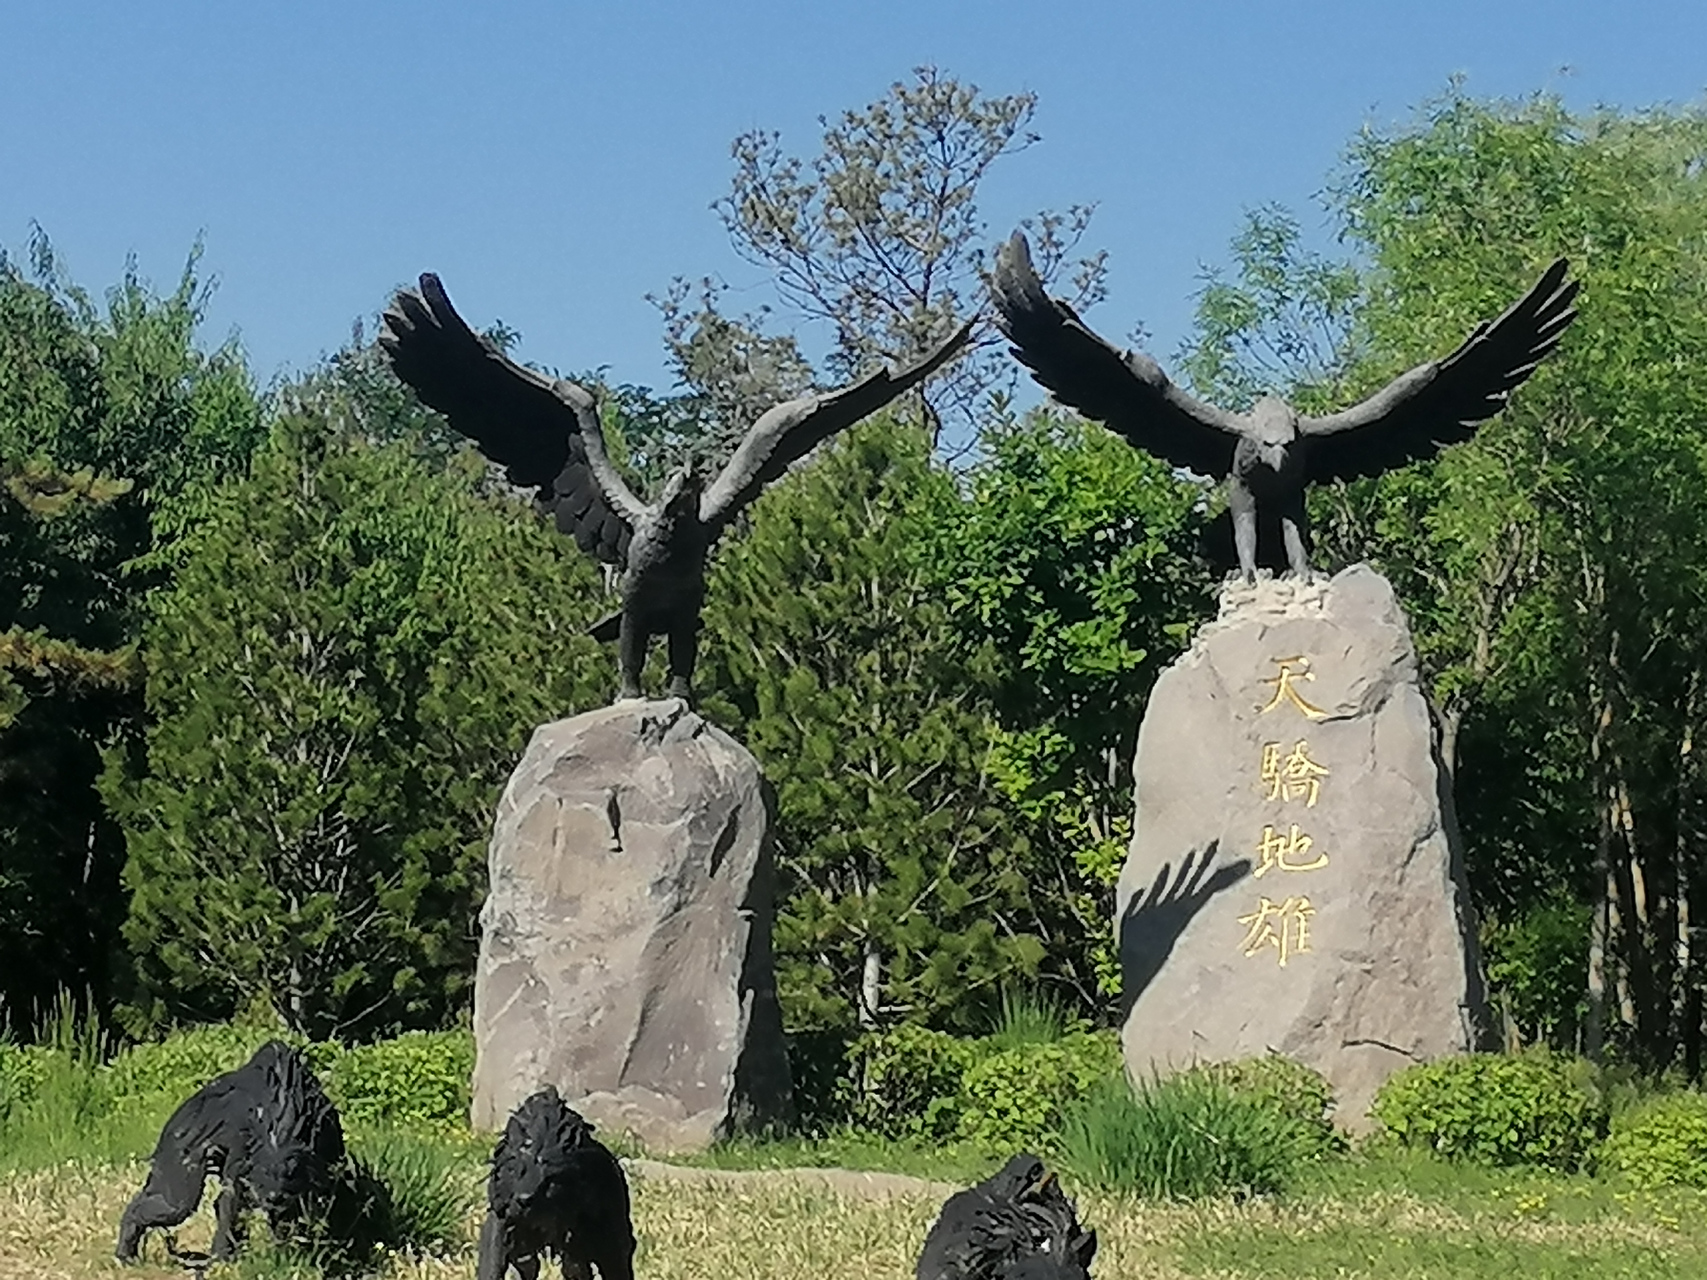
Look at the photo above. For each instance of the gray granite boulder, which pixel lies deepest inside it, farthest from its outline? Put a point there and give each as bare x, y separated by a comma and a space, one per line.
1295, 882
625, 951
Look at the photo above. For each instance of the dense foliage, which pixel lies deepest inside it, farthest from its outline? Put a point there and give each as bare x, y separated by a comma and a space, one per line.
346, 665
1534, 1108
111, 420
1552, 569
266, 660
1660, 1144
903, 878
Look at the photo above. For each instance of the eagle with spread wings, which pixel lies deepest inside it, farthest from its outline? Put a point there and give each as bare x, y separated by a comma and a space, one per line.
1269, 455
545, 432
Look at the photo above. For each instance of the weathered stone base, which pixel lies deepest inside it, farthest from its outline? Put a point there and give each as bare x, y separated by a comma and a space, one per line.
1295, 881
625, 952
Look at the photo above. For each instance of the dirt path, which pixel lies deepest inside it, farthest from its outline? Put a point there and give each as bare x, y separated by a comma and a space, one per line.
853, 1182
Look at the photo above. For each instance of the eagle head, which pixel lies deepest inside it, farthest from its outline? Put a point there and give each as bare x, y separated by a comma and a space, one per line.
682, 490
1274, 426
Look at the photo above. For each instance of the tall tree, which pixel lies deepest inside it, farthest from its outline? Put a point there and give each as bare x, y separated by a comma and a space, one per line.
1070, 555
112, 418
903, 894
1607, 455
339, 679
1551, 566
879, 236
54, 686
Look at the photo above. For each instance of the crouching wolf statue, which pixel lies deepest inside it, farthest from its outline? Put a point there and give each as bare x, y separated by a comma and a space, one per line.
267, 1129
554, 1188
1017, 1224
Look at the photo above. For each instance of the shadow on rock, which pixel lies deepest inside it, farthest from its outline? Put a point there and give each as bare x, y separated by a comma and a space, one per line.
1154, 919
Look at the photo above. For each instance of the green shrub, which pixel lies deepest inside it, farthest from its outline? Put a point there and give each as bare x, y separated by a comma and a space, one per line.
1013, 1099
184, 1061
1180, 1138
1662, 1143
1296, 1091
22, 1068
909, 1081
421, 1079
1494, 1109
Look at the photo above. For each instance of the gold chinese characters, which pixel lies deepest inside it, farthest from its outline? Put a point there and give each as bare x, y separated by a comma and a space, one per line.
1286, 852
1285, 684
1286, 777
1285, 926
1294, 776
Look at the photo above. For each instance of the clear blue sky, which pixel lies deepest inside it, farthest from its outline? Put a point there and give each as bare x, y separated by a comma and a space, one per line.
554, 162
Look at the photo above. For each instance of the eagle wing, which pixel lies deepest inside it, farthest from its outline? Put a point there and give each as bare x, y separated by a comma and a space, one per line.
789, 431
1442, 402
1128, 392
545, 433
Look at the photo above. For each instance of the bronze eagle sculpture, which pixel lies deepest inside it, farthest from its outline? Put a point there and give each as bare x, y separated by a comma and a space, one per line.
1269, 455
545, 432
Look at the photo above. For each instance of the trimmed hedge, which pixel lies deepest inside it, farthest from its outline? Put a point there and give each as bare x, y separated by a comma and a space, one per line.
908, 1082
420, 1079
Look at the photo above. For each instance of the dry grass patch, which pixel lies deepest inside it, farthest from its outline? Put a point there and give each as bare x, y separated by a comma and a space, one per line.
58, 1224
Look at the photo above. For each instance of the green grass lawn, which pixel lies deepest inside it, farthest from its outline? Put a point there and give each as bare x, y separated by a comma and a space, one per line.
1386, 1217
72, 1152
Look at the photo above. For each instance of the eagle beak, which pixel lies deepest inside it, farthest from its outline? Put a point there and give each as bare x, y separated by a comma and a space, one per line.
1043, 1184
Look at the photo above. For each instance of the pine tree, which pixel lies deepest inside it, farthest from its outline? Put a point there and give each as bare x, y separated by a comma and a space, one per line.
54, 680
831, 657
111, 418
350, 660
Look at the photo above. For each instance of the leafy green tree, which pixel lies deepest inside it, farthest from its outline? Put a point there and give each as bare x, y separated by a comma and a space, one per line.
1285, 319
1071, 555
112, 418
339, 679
902, 886
1552, 568
1606, 454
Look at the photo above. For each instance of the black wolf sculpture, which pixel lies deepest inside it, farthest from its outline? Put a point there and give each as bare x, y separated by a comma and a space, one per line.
554, 1188
1015, 1225
267, 1129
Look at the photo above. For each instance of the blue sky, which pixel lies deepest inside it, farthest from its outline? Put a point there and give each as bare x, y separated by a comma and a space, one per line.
555, 162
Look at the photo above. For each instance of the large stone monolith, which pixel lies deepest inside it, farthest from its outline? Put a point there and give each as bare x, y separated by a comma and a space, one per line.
625, 951
1295, 882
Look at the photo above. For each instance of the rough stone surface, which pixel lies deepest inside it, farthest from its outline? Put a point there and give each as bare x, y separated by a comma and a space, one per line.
1364, 887
625, 950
